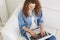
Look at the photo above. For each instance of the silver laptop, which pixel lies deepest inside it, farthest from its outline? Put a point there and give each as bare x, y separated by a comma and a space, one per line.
48, 35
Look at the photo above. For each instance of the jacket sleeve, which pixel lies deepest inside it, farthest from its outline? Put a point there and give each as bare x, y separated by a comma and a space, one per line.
41, 17
21, 22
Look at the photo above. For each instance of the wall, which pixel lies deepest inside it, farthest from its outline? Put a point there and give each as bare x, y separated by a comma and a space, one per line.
11, 5
51, 12
3, 12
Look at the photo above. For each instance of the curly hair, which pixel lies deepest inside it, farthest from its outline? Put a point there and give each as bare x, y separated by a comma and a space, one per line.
36, 9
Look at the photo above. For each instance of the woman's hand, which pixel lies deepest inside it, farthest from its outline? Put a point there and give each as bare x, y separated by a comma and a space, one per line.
33, 34
42, 33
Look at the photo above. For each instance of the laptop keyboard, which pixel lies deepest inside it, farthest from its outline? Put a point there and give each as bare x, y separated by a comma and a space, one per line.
39, 36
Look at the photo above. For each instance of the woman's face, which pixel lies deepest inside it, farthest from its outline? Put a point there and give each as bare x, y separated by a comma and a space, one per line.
31, 6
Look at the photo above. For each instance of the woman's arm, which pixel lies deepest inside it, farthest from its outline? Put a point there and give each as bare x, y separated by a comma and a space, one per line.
41, 24
32, 33
42, 31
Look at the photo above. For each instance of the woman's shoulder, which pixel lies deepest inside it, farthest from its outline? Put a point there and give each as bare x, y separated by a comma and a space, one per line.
20, 13
40, 12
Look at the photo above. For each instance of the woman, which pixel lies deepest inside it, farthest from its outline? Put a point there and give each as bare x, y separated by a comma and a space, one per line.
30, 18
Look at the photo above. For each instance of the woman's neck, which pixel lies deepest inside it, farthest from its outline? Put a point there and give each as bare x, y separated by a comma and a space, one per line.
30, 12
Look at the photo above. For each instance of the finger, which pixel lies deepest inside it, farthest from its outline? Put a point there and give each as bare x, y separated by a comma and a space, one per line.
35, 35
42, 34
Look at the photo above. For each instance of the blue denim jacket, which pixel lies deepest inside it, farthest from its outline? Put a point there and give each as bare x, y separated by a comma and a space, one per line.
26, 21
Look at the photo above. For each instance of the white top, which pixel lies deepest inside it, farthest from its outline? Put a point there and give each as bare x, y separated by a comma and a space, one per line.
33, 25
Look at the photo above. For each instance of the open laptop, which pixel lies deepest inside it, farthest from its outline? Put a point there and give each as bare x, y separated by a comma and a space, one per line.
48, 35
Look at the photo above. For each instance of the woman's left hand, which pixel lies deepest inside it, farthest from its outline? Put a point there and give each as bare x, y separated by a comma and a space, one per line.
42, 33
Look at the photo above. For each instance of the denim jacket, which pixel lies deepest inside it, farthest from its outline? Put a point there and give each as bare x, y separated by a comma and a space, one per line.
26, 21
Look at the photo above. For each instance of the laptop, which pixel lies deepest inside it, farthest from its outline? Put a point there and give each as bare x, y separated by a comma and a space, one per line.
48, 35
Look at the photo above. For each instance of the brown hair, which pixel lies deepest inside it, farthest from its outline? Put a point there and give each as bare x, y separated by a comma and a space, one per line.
37, 7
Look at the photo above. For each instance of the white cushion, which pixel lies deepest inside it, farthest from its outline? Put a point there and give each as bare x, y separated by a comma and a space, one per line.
11, 29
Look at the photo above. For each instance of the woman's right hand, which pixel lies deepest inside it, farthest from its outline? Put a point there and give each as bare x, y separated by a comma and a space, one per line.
33, 34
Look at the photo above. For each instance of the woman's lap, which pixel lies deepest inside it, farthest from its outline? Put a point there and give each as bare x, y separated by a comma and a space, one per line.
51, 38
